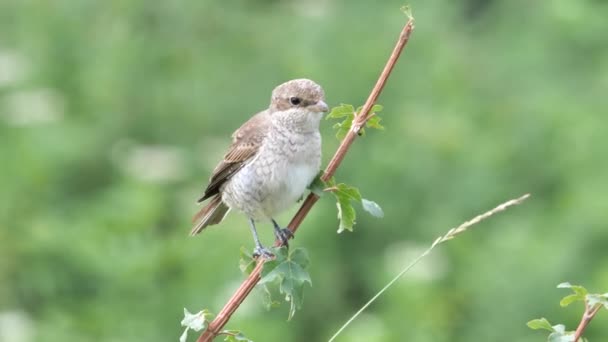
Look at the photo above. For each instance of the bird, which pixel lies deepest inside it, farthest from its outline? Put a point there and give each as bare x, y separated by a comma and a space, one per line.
273, 158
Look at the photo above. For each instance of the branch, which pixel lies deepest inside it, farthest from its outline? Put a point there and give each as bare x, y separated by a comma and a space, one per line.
360, 119
587, 317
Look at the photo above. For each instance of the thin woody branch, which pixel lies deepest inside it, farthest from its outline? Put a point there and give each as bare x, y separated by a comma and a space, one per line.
361, 118
588, 315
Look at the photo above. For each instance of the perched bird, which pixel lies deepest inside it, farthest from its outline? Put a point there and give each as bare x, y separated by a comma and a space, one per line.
274, 156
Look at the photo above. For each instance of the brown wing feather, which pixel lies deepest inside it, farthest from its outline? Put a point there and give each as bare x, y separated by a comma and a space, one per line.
245, 143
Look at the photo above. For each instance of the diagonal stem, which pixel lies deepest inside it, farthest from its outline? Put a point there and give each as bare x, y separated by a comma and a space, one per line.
361, 118
587, 317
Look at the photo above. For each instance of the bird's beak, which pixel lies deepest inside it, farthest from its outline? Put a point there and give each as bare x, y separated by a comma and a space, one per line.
320, 107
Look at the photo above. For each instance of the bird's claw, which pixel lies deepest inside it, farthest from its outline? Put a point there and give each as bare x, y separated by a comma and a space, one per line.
284, 235
260, 251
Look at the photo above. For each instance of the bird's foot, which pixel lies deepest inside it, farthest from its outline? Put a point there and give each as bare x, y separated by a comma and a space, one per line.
261, 251
283, 235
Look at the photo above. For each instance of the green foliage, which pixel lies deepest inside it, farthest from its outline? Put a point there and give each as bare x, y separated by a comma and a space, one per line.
558, 332
288, 270
592, 302
114, 113
347, 113
540, 323
345, 195
580, 293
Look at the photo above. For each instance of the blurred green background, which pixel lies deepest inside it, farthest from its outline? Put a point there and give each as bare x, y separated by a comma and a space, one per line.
113, 114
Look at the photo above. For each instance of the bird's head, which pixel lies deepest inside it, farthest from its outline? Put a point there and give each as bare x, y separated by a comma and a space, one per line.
300, 101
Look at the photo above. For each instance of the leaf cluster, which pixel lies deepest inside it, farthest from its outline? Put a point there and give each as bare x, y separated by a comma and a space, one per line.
347, 113
345, 195
286, 272
593, 302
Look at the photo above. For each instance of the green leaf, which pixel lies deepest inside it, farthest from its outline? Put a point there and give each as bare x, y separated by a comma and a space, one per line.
246, 262
343, 128
569, 299
346, 112
344, 195
347, 191
346, 214
540, 323
234, 336
579, 294
372, 207
374, 122
343, 110
594, 299
268, 299
289, 270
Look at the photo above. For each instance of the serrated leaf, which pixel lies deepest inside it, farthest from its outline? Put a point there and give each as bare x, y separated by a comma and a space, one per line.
300, 257
234, 336
372, 207
540, 323
344, 195
342, 128
246, 261
289, 269
343, 110
594, 299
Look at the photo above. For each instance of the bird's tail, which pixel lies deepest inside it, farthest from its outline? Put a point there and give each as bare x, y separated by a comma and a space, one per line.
212, 213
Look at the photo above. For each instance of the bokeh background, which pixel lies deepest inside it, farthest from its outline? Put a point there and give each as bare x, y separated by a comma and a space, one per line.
113, 114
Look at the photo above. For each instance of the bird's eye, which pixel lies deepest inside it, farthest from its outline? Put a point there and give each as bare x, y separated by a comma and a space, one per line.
295, 100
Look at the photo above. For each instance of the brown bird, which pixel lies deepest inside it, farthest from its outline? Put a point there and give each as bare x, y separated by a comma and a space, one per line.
274, 156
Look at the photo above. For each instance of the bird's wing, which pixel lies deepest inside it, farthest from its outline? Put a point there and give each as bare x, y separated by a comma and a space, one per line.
246, 142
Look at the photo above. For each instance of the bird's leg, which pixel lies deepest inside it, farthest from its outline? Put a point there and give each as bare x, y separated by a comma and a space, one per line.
282, 234
259, 250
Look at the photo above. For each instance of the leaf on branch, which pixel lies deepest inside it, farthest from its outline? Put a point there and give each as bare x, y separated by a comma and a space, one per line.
347, 113
345, 196
347, 214
197, 322
594, 299
288, 269
374, 120
579, 294
343, 111
540, 323
560, 334
234, 336
372, 207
